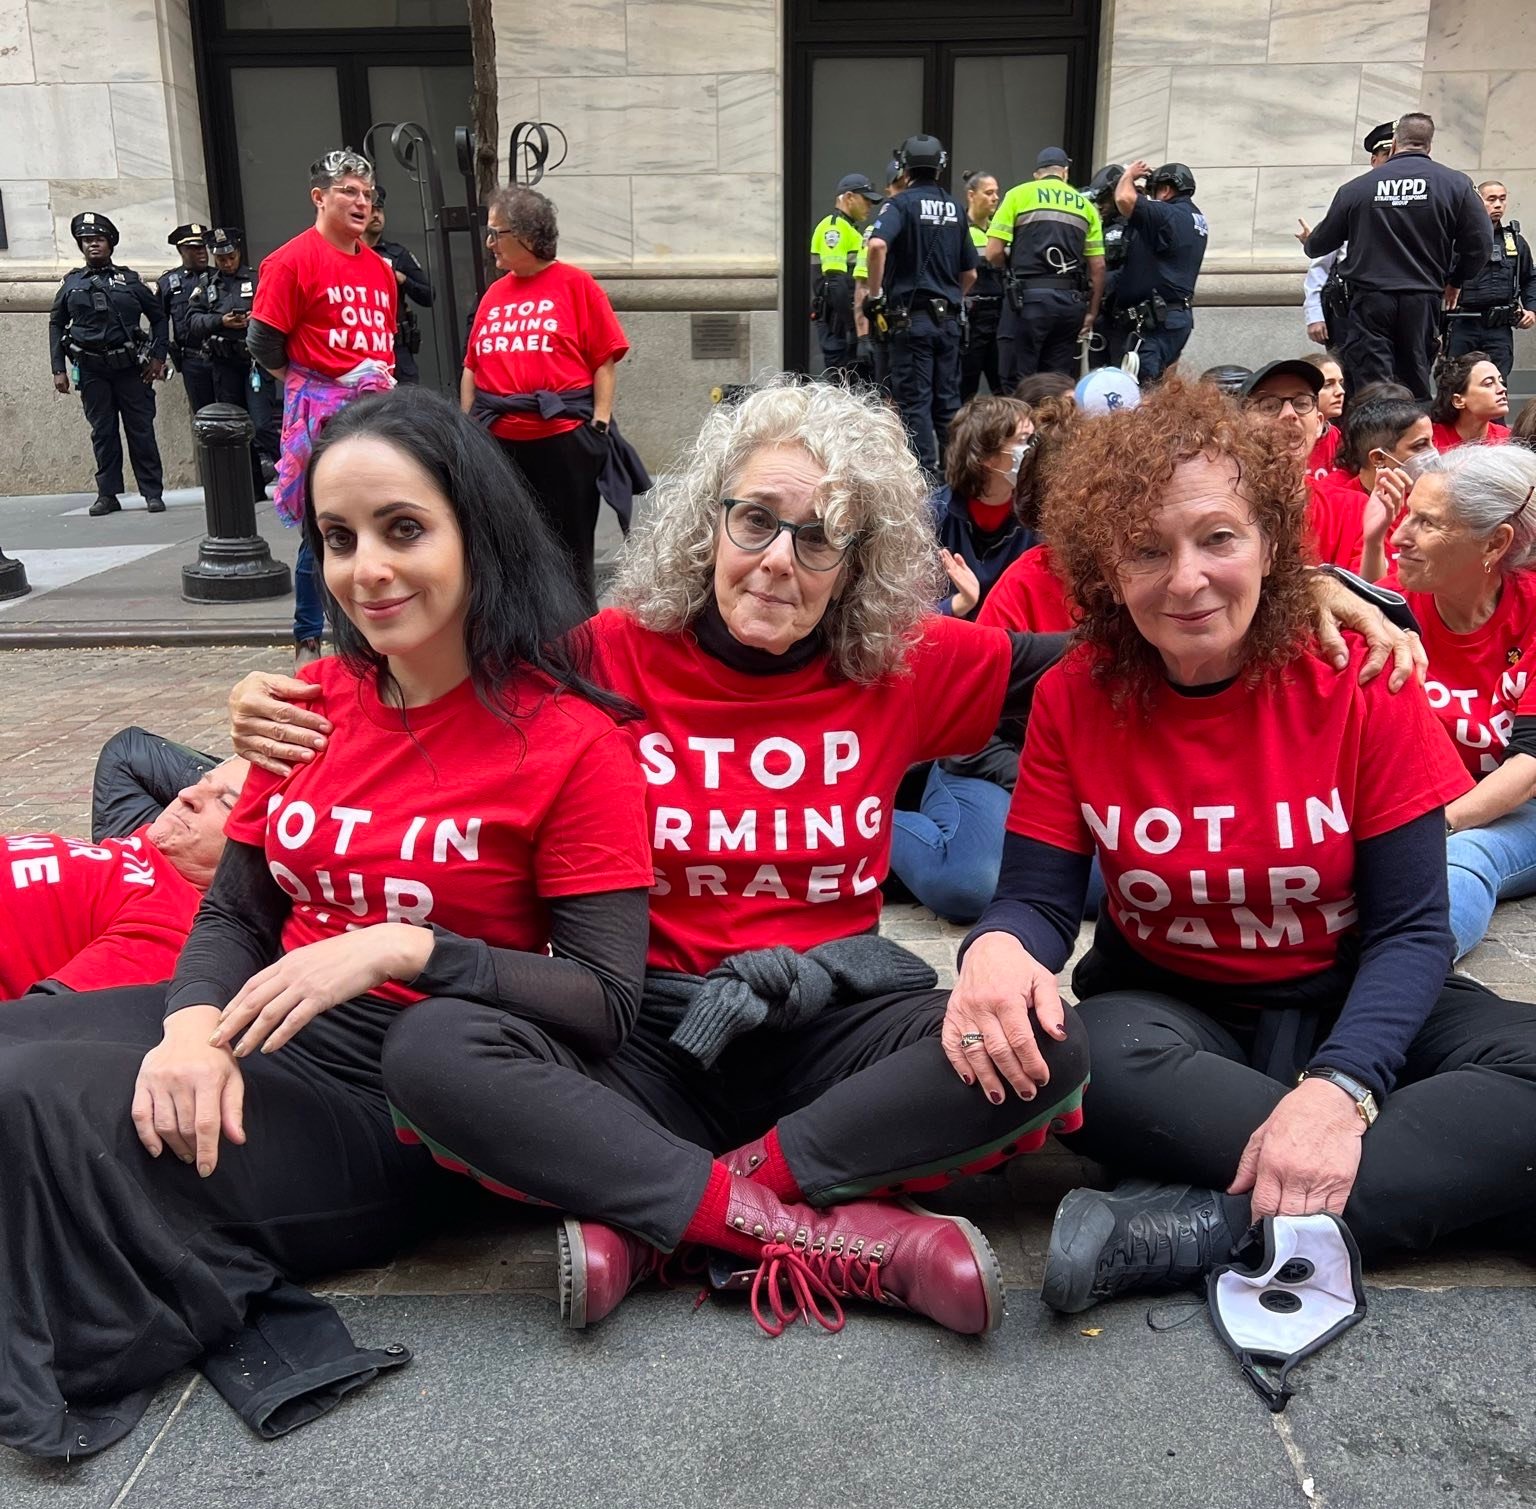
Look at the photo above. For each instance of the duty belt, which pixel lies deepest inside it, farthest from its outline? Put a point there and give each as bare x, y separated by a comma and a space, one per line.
1049, 280
114, 357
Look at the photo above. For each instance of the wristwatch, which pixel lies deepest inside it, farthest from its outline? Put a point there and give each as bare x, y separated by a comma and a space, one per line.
600, 425
1364, 1099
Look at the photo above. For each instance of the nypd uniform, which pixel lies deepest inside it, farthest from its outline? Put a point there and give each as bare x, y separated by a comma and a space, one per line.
174, 287
1101, 190
1050, 232
928, 253
95, 324
1165, 244
1491, 303
983, 314
836, 244
235, 378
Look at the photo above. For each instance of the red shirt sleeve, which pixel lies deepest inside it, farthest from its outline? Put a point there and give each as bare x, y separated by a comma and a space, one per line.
594, 837
1407, 765
138, 947
959, 677
277, 294
1045, 805
603, 336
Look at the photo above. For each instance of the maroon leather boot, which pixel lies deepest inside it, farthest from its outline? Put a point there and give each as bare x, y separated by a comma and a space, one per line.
599, 1265
744, 1161
885, 1251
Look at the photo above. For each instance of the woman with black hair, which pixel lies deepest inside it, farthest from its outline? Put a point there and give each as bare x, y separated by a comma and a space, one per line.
1471, 401
474, 787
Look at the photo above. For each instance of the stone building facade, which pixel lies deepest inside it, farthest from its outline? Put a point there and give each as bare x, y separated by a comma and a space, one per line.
679, 190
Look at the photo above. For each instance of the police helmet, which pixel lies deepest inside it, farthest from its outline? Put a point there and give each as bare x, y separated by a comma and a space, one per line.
922, 152
1103, 183
1175, 175
91, 224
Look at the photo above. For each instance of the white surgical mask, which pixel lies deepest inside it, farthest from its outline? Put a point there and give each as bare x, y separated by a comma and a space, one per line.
1418, 463
1016, 455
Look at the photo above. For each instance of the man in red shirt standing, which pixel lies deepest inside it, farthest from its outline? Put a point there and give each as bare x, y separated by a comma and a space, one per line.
323, 324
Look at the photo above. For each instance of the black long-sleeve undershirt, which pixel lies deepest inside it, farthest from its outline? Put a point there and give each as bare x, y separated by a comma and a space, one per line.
587, 991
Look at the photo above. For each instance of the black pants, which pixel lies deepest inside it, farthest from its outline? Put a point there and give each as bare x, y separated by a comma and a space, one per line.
232, 384
863, 1099
202, 389
1175, 1097
561, 472
1472, 335
925, 382
1158, 349
1042, 336
980, 359
117, 1268
108, 396
1391, 337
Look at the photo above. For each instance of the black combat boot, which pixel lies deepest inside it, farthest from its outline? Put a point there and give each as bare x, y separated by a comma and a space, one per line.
105, 503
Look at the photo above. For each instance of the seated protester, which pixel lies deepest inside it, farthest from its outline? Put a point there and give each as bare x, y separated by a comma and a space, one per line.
1274, 858
1470, 402
1466, 560
1040, 387
1523, 430
1284, 396
1387, 444
1031, 595
775, 624
1230, 377
1330, 409
976, 512
79, 915
138, 773
475, 788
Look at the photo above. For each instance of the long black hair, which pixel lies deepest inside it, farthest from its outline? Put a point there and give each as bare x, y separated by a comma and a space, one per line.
525, 611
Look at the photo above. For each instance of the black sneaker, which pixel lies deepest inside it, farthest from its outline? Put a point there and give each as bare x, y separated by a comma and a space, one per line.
105, 503
155, 505
1138, 1238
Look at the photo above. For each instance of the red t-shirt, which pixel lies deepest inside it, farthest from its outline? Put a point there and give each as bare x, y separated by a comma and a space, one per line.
1029, 595
90, 915
770, 797
553, 330
1336, 520
1478, 682
1446, 438
448, 814
1227, 841
1324, 455
335, 309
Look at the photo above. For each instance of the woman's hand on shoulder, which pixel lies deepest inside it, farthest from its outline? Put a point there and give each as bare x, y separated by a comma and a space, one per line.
1335, 608
1306, 1155
270, 726
277, 1002
188, 1092
988, 1036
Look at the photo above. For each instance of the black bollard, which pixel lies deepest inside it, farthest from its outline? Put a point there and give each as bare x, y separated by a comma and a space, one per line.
234, 564
13, 578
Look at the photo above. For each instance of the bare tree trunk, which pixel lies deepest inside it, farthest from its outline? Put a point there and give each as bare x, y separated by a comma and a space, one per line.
483, 41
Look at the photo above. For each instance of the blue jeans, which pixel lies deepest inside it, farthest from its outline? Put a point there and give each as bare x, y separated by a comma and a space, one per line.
308, 611
1487, 866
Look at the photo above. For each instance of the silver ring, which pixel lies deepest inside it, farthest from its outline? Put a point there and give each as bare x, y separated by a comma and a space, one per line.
970, 1039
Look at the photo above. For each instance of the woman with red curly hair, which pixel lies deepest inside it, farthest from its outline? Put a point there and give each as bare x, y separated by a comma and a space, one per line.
1270, 966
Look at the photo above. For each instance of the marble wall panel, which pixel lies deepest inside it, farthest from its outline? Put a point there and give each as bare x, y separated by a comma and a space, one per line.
76, 43
1510, 132
177, 53
1459, 104
1387, 90
1193, 31
143, 209
191, 200
1249, 337
15, 44
141, 129
1227, 197
1301, 113
724, 36
186, 135
1470, 35
1287, 194
57, 131
595, 216
763, 338
573, 37
675, 221
519, 99
1347, 31
28, 222
749, 123
636, 125
1138, 114
1521, 183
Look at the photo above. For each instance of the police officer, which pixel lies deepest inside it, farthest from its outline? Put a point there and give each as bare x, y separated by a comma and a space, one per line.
218, 313
922, 263
984, 304
1165, 240
95, 324
1100, 190
835, 246
1502, 298
1407, 222
874, 348
413, 285
1325, 290
1051, 242
174, 288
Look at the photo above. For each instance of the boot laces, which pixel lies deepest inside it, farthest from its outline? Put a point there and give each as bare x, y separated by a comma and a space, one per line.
1168, 1246
796, 1277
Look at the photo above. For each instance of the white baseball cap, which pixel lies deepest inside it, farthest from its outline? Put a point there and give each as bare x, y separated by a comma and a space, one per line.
1106, 391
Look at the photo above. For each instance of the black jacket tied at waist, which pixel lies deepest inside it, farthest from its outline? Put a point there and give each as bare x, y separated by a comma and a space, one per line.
623, 474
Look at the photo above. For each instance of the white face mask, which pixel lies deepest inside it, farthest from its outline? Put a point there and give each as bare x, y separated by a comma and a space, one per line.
1418, 463
1301, 1291
1016, 454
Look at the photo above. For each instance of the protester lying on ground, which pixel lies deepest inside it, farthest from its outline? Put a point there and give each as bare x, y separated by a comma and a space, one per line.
776, 627
138, 773
78, 914
1274, 856
1471, 402
1464, 555
1387, 444
475, 829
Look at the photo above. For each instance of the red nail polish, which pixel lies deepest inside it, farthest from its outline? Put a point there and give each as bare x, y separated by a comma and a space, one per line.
995, 1096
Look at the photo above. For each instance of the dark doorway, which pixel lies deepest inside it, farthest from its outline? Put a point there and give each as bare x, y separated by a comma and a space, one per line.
284, 80
995, 80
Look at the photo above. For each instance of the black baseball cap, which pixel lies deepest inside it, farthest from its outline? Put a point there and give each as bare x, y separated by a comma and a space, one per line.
858, 183
1292, 366
1380, 136
1052, 157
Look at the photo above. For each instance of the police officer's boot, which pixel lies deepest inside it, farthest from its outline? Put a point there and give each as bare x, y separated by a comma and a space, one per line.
155, 504
105, 503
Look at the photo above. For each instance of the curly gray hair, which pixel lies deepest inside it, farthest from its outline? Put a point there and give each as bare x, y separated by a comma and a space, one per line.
1492, 485
873, 492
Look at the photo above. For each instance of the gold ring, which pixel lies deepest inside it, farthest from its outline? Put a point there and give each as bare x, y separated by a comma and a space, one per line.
970, 1039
